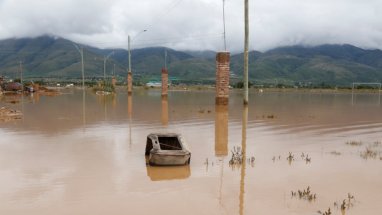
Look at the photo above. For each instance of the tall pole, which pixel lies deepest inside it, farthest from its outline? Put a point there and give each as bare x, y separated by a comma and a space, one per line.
129, 72
82, 68
21, 74
246, 53
81, 51
104, 70
128, 39
165, 58
104, 64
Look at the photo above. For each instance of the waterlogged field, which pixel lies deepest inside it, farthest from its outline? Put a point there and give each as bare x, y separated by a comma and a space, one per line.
84, 154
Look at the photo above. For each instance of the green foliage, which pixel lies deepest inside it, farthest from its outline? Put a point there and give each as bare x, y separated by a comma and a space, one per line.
240, 85
321, 66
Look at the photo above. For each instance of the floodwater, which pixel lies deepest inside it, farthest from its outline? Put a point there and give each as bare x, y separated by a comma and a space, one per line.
84, 154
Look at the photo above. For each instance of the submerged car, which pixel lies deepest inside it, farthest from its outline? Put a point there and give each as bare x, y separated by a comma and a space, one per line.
168, 149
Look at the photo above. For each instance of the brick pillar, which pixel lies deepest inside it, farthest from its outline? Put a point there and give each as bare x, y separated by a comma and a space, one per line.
129, 82
164, 82
221, 130
114, 82
222, 78
164, 110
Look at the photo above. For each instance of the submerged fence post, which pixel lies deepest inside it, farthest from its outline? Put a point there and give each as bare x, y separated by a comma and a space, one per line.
222, 78
129, 82
164, 82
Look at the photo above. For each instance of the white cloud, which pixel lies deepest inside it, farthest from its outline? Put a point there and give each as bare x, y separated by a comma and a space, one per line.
196, 24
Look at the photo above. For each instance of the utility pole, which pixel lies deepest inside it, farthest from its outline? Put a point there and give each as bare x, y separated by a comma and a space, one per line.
21, 74
128, 39
165, 58
246, 34
81, 51
225, 43
129, 72
82, 68
104, 65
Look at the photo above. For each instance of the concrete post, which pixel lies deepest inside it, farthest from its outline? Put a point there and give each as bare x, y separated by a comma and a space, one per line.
222, 77
221, 130
164, 82
129, 82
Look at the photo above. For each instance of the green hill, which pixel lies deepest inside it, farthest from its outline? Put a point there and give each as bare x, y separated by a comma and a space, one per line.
47, 56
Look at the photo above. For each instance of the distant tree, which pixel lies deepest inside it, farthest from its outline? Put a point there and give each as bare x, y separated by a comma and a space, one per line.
240, 85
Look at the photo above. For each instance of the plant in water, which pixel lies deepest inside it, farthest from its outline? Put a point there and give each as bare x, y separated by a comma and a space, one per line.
237, 156
369, 153
346, 203
335, 153
290, 157
354, 143
305, 194
307, 159
328, 212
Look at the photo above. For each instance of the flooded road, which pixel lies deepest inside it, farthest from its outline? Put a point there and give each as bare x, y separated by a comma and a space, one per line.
84, 154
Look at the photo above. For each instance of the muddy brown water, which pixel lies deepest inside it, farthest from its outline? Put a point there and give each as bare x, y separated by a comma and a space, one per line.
84, 154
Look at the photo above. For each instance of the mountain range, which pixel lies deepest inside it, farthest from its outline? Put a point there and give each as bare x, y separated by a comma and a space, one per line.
47, 56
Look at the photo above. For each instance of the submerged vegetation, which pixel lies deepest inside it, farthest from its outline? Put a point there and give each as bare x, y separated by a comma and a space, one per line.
345, 204
305, 194
354, 143
237, 157
371, 151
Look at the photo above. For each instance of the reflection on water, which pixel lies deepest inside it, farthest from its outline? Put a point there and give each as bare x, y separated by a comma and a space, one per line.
84, 107
130, 114
243, 166
221, 130
156, 173
356, 96
164, 110
84, 154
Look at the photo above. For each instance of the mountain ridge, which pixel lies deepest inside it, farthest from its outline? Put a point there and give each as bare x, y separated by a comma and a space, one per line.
48, 56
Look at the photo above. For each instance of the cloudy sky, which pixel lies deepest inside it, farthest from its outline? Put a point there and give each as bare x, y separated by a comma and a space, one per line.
196, 24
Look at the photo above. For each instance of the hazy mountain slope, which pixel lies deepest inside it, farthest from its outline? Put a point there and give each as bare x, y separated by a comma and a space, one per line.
327, 64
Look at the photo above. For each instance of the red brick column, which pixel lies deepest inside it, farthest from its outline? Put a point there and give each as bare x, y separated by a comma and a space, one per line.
129, 82
221, 130
164, 82
222, 78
